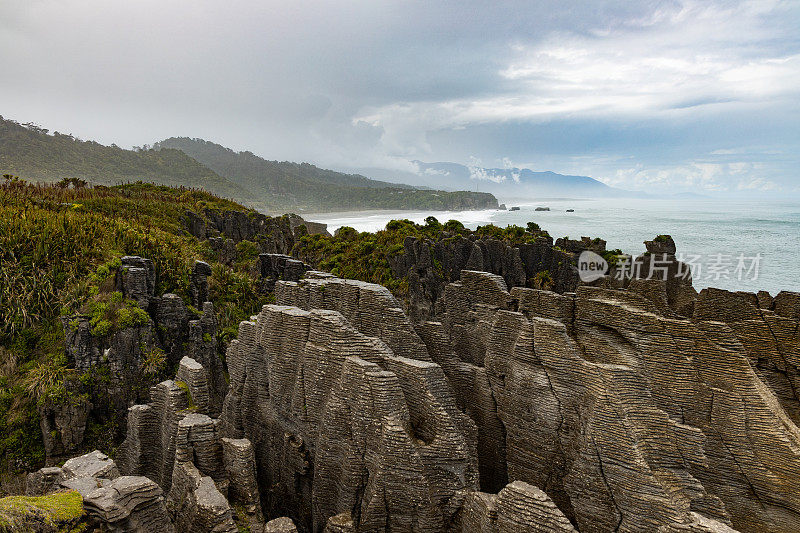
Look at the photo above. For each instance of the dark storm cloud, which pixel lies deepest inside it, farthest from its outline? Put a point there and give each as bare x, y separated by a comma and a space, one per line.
634, 92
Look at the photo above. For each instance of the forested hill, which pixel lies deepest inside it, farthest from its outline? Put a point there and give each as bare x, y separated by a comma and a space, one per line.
307, 187
277, 177
35, 154
32, 153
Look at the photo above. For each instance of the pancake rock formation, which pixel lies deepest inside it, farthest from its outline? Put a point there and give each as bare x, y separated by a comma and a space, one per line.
620, 407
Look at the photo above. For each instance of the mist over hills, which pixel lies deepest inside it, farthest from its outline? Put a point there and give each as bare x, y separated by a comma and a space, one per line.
506, 183
307, 187
33, 153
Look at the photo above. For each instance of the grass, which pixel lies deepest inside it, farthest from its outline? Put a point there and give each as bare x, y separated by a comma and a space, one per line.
60, 510
185, 388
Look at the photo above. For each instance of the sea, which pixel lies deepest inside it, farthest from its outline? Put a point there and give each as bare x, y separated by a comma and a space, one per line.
734, 245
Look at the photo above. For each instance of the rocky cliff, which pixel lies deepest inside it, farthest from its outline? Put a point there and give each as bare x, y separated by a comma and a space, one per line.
631, 405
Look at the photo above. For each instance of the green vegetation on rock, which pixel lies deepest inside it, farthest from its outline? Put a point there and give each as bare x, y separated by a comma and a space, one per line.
368, 256
62, 511
57, 260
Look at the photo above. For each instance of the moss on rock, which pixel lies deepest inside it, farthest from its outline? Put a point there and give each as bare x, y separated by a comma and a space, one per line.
60, 512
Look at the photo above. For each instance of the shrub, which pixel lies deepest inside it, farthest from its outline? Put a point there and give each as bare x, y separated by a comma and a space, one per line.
543, 280
454, 226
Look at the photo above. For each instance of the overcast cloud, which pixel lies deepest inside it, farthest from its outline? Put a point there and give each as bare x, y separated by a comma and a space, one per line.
657, 95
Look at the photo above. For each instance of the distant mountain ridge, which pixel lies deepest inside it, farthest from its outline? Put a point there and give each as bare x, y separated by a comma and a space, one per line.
506, 183
518, 182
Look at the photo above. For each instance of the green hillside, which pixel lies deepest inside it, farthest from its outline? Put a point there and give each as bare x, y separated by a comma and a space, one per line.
34, 154
275, 177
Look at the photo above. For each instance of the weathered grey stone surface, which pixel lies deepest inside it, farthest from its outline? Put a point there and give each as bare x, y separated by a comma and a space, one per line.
137, 279
312, 228
770, 339
93, 464
628, 419
131, 359
627, 406
369, 308
199, 283
195, 503
129, 504
661, 263
280, 525
273, 234
172, 317
194, 376
63, 427
275, 267
518, 508
341, 423
341, 523
150, 444
240, 467
430, 265
84, 485
43, 480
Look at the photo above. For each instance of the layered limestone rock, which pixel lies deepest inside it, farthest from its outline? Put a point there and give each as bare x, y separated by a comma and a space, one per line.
369, 308
430, 265
274, 267
149, 447
129, 504
193, 375
136, 279
196, 504
628, 417
518, 508
95, 464
273, 234
604, 409
280, 525
458, 344
199, 283
769, 332
661, 263
342, 424
114, 503
44, 480
174, 442
240, 465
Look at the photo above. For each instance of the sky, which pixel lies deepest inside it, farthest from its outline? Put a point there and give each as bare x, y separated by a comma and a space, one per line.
646, 95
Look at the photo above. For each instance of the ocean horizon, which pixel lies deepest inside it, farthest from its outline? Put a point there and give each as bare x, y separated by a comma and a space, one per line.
738, 245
